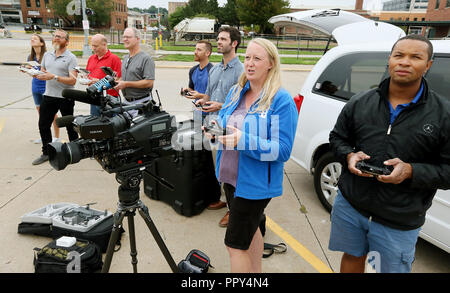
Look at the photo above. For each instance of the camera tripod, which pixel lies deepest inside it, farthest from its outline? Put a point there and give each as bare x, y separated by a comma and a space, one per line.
129, 202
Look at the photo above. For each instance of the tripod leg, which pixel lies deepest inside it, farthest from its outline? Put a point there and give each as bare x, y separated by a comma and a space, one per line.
143, 211
133, 251
118, 218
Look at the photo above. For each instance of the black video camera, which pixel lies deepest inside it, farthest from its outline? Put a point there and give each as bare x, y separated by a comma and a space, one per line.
118, 142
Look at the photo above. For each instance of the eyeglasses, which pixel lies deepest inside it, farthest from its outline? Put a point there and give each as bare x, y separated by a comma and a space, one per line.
128, 37
58, 37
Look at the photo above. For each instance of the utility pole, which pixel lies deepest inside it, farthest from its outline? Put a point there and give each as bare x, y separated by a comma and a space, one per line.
86, 49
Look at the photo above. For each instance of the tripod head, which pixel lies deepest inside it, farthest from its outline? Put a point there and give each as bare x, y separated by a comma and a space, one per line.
130, 183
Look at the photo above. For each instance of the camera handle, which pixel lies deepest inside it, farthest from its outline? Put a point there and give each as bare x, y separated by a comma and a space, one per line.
129, 202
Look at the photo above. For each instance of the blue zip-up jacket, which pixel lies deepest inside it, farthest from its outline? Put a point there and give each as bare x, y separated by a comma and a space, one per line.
265, 144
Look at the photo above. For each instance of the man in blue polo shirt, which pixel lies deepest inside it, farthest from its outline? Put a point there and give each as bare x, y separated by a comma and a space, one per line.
198, 74
221, 79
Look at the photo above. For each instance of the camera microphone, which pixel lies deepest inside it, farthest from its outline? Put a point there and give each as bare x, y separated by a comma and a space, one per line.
80, 96
64, 121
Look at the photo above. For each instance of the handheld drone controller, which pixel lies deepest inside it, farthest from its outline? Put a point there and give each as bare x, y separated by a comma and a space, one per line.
215, 129
372, 170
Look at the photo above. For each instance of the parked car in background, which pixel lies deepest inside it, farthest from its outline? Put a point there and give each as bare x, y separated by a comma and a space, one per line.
32, 28
358, 63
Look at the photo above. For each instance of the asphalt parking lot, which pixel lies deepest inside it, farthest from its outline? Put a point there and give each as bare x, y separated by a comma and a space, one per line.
296, 218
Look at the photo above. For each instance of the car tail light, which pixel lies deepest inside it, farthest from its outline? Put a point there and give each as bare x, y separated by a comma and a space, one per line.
298, 99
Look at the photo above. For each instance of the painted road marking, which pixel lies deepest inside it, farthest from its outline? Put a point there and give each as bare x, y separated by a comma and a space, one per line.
298, 247
2, 124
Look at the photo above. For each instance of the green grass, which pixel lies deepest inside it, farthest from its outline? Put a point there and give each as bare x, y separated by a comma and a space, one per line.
217, 59
240, 50
80, 54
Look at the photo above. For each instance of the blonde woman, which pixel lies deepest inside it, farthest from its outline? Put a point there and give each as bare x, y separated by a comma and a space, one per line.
38, 50
261, 119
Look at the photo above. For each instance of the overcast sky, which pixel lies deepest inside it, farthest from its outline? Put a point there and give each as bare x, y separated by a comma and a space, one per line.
368, 4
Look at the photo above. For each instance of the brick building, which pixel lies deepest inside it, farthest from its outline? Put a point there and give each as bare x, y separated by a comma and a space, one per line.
119, 15
37, 11
174, 5
40, 12
438, 14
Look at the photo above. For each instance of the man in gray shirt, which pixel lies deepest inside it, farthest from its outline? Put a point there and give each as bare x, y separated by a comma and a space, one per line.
220, 80
59, 72
138, 71
223, 75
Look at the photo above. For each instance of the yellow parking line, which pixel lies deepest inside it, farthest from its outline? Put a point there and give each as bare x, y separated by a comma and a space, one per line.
298, 247
2, 124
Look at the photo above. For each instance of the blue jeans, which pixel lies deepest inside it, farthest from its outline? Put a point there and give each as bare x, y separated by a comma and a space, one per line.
37, 97
357, 235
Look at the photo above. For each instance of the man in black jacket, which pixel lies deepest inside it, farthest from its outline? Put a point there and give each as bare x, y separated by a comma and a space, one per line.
402, 124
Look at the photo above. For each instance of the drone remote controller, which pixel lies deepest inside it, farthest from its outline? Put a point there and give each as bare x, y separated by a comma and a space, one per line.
373, 170
215, 129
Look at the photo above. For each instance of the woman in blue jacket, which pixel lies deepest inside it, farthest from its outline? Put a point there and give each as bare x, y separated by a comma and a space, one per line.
262, 119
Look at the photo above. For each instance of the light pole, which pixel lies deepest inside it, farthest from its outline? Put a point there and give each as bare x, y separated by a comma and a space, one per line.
86, 49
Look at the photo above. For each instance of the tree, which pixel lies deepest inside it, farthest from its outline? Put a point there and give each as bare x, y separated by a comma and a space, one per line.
265, 9
177, 16
228, 14
209, 8
102, 11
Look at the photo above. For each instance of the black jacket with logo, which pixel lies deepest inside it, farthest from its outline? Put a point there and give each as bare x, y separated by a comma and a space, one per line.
420, 135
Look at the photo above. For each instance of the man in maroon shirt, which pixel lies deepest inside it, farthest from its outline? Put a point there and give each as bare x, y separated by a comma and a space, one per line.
102, 57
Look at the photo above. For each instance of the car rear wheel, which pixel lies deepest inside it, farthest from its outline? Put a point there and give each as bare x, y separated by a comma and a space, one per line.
326, 176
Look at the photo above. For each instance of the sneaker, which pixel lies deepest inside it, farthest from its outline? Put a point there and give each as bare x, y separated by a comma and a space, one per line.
56, 139
37, 141
40, 160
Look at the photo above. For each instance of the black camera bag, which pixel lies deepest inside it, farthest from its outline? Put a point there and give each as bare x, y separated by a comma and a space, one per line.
195, 262
99, 234
54, 259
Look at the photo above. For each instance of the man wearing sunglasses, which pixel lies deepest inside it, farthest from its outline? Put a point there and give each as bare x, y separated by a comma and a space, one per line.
138, 71
59, 72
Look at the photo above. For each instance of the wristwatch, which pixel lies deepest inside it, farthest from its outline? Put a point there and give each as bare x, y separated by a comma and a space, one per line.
55, 78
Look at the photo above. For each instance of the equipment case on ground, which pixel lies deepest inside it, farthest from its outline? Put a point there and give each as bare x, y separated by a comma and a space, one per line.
190, 169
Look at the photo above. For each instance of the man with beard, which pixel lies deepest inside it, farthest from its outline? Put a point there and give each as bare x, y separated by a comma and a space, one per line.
59, 72
403, 124
198, 74
222, 77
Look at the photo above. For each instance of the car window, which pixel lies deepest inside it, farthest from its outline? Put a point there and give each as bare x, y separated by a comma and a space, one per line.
438, 76
351, 74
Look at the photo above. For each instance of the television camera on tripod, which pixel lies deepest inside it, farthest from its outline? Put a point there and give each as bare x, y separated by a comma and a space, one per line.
122, 145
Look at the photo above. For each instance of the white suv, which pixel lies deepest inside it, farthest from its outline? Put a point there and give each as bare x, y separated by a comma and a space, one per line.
358, 63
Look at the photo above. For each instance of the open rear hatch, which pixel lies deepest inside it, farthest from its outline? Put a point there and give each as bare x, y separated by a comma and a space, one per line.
345, 27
